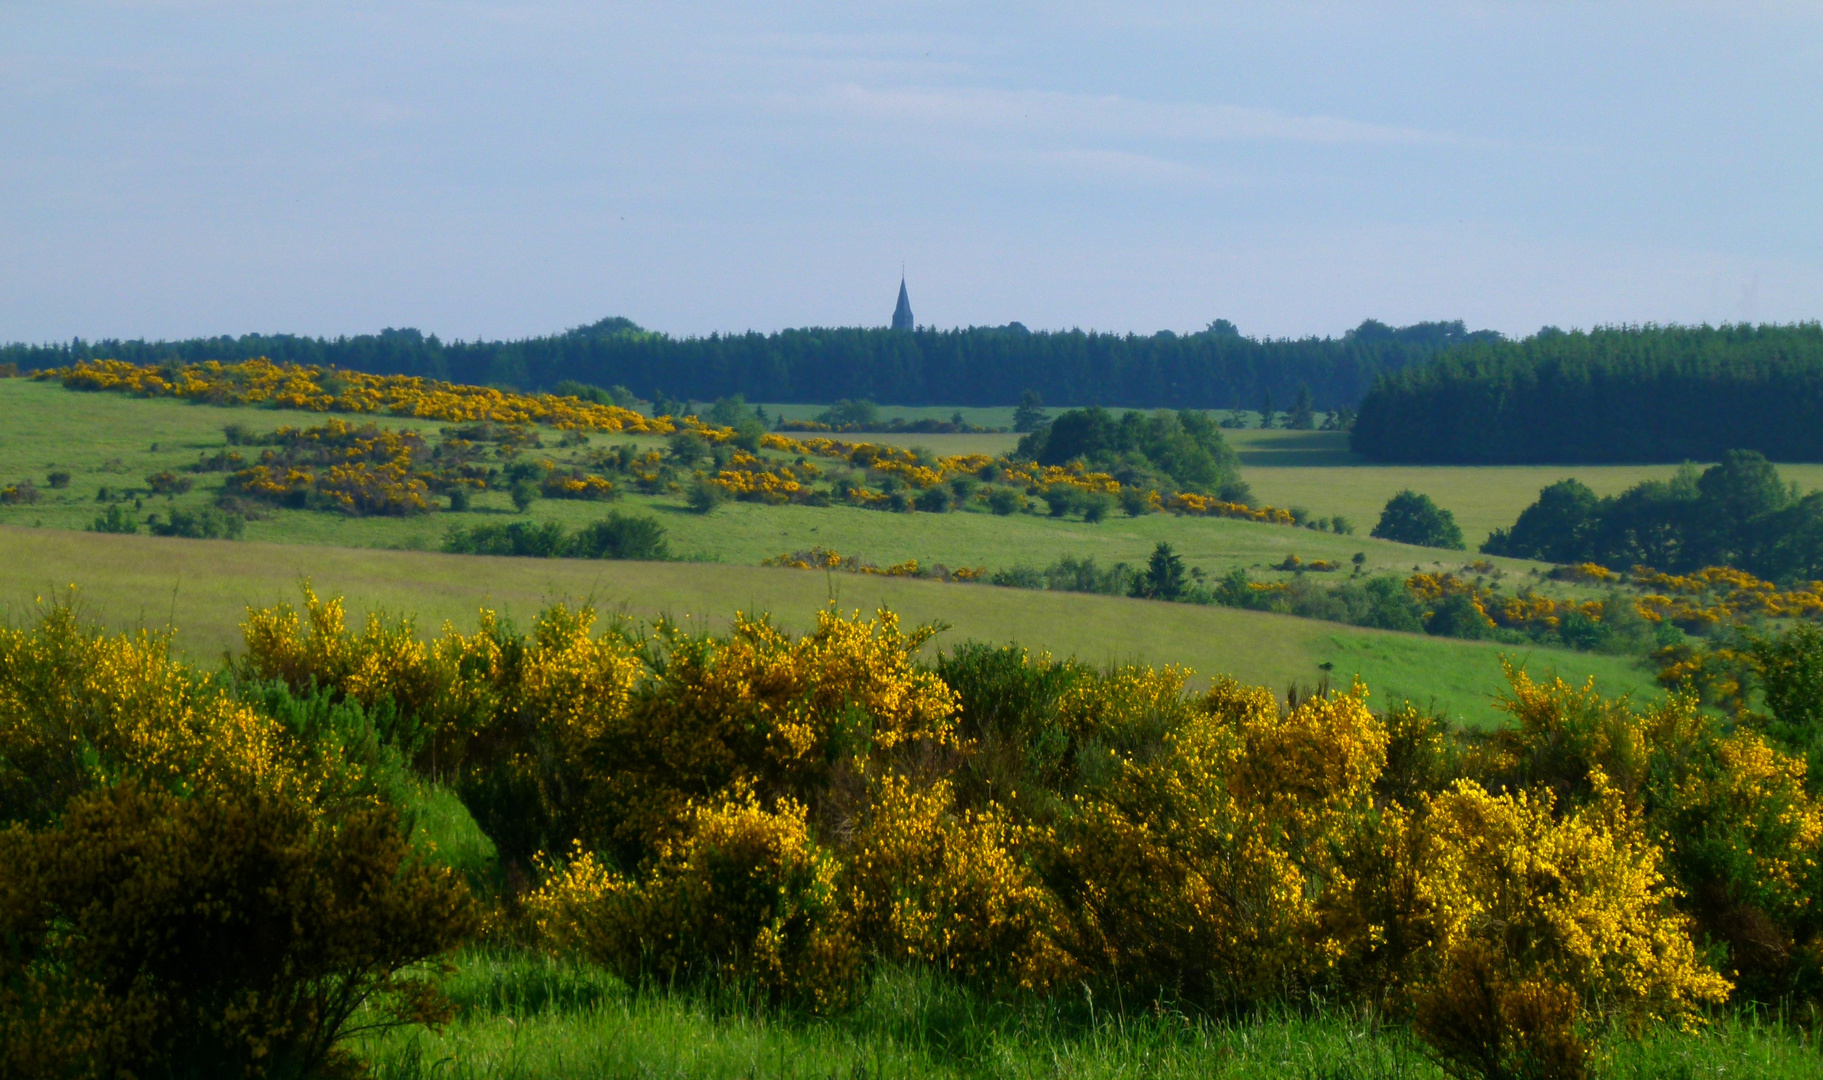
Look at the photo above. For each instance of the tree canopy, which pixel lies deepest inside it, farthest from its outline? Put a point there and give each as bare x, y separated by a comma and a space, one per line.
1618, 394
1183, 449
1413, 518
1737, 513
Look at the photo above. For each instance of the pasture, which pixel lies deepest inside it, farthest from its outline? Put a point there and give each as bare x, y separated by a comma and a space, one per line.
201, 589
110, 440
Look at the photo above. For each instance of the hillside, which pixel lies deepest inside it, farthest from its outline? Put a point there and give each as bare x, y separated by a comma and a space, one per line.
201, 588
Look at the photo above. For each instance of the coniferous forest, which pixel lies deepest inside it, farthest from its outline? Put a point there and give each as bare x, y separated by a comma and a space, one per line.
1216, 368
1623, 395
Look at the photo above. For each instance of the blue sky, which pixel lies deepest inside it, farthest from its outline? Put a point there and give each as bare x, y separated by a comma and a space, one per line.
493, 169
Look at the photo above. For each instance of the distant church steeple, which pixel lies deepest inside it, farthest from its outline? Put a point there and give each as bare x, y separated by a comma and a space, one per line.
902, 316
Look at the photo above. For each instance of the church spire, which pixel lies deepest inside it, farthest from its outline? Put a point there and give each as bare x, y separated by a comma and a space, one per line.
902, 316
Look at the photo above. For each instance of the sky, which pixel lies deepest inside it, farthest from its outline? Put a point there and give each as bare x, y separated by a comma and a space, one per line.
501, 170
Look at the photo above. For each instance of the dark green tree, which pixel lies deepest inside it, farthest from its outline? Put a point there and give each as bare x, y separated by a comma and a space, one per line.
1557, 528
1030, 413
1789, 667
1303, 410
1411, 518
1164, 577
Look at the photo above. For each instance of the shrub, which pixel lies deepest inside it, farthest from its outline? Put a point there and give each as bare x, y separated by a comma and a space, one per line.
193, 887
114, 520
1095, 506
460, 499
1737, 828
1790, 671
743, 896
168, 483
217, 934
206, 523
622, 536
544, 541
576, 484
1019, 577
770, 809
1004, 501
524, 493
934, 500
1203, 863
23, 493
747, 435
1061, 499
705, 497
1135, 502
1411, 518
58, 479
1539, 918
949, 890
1458, 616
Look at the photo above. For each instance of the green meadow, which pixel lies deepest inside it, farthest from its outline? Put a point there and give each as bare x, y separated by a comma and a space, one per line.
201, 589
110, 440
530, 1018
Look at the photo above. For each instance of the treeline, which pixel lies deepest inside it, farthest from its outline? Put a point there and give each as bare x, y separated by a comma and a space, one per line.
1618, 394
1738, 513
983, 366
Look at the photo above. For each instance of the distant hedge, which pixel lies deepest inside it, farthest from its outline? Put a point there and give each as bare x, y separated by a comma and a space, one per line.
1629, 394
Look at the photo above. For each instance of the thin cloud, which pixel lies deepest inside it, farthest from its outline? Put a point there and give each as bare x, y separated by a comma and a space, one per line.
1081, 116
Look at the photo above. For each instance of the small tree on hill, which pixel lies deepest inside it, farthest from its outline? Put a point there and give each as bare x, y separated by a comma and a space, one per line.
1303, 411
1411, 518
1266, 410
1164, 576
1030, 412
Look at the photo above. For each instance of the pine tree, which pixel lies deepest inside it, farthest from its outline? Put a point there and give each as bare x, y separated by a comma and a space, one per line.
1303, 411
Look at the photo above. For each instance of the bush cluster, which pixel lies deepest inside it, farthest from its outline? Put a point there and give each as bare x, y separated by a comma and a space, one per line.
192, 884
617, 536
1165, 451
783, 811
1737, 513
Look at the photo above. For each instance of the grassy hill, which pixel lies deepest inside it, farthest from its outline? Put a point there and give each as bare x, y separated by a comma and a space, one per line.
201, 589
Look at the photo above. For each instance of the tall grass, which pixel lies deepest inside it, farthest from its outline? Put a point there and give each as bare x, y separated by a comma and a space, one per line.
524, 1016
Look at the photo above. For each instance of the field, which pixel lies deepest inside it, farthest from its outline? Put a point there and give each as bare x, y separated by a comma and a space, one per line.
202, 587
112, 440
523, 1013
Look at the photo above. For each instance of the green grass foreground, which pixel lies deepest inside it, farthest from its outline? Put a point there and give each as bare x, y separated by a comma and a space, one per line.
202, 589
526, 1017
